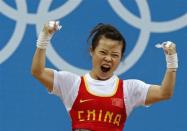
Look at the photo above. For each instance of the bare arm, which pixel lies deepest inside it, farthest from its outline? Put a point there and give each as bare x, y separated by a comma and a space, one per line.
38, 69
157, 93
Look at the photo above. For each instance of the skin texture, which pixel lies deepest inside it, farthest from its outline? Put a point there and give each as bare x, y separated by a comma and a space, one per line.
107, 54
164, 91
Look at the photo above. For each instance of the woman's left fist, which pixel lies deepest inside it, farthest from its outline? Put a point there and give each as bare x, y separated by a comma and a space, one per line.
169, 47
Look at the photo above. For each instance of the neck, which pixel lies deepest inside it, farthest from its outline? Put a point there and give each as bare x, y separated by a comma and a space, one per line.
96, 77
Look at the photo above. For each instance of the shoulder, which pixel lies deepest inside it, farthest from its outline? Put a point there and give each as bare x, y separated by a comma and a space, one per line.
65, 83
66, 79
65, 75
133, 81
135, 85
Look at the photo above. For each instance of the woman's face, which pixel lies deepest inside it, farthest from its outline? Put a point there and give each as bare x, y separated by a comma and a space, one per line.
105, 58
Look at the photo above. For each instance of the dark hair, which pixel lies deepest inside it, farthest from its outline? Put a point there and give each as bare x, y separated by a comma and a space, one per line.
107, 31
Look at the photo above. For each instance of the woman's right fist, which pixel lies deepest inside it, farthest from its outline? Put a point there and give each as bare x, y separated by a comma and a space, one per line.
51, 27
47, 33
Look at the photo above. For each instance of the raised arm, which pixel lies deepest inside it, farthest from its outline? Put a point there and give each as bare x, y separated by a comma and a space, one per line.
165, 91
38, 69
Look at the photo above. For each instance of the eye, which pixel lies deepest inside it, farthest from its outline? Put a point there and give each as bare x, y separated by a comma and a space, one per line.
115, 55
102, 52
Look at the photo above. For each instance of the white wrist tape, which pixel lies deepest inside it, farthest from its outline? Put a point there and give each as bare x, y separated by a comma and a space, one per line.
172, 61
43, 40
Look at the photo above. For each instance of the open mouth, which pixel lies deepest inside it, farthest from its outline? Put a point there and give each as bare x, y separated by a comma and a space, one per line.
105, 69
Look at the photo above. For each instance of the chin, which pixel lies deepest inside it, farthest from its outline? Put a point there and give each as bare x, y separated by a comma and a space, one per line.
104, 76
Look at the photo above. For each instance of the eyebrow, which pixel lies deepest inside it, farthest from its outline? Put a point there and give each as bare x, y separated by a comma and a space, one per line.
111, 52
104, 49
116, 52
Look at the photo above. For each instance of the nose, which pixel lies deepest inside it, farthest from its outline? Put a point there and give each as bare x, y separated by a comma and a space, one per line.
108, 58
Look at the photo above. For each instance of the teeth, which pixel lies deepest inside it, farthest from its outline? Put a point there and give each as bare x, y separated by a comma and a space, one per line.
106, 66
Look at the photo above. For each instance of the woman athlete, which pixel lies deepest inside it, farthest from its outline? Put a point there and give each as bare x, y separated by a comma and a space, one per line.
99, 100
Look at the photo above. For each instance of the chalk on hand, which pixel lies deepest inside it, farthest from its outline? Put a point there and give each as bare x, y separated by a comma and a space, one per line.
58, 25
159, 45
166, 44
53, 23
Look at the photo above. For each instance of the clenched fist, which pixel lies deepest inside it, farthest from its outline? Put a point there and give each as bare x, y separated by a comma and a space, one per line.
47, 33
51, 27
169, 48
171, 54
